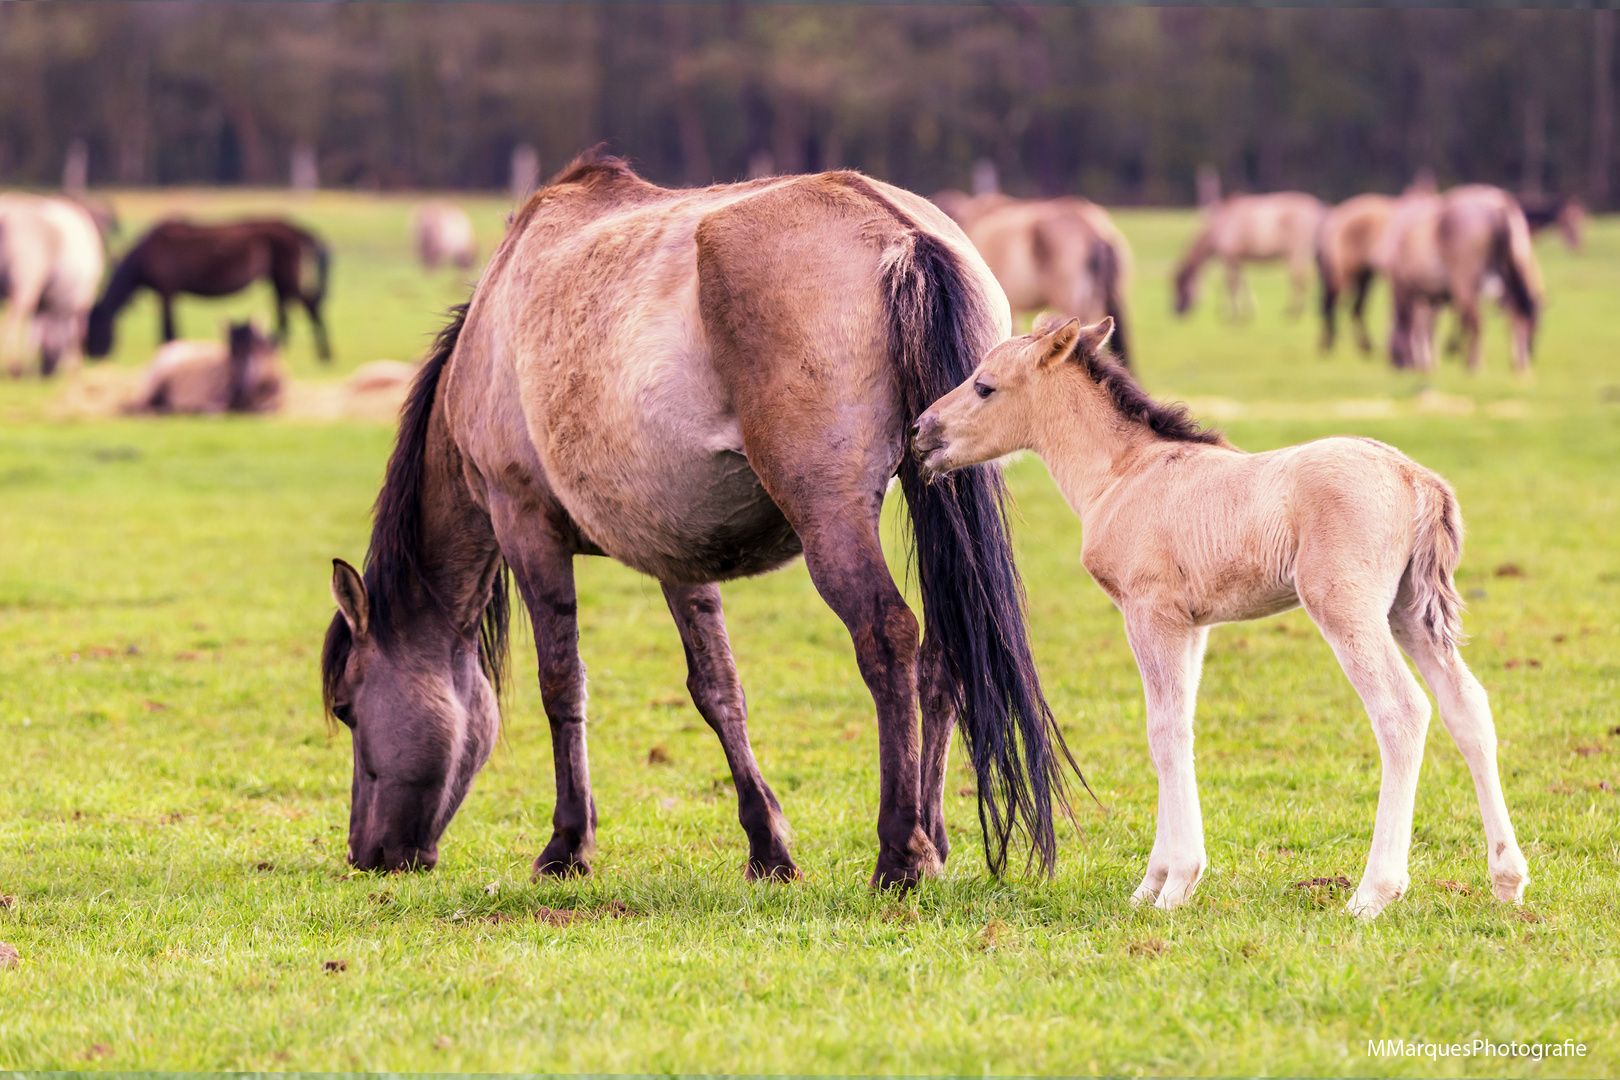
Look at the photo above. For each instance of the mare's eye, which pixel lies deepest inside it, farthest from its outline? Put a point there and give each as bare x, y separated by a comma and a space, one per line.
345, 714
982, 390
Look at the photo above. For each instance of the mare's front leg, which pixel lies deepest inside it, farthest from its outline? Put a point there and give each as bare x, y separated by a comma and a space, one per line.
1169, 653
718, 694
543, 565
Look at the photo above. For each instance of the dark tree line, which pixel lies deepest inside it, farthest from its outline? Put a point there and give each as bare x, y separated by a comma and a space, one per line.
1121, 104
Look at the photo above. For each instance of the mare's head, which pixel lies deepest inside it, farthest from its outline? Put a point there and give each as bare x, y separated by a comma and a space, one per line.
416, 696
1001, 407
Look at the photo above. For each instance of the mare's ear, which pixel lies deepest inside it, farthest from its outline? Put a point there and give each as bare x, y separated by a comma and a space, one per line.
349, 590
1095, 336
1058, 345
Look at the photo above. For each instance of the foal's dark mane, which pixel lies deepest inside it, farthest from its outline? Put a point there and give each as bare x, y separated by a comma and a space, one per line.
1172, 421
394, 558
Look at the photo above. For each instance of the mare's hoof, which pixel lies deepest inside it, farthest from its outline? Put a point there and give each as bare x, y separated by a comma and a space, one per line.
560, 859
774, 870
903, 870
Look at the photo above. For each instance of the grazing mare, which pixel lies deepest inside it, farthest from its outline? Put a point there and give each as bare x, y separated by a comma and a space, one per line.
1184, 531
217, 260
1064, 254
1253, 228
1346, 245
1440, 249
51, 263
444, 234
240, 374
702, 384
1565, 211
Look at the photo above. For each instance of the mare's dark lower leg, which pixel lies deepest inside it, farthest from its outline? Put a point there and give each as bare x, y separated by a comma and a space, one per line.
718, 695
937, 692
846, 563
544, 570
168, 318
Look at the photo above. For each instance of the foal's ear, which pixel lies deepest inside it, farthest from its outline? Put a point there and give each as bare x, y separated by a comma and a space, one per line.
349, 590
1095, 336
1059, 344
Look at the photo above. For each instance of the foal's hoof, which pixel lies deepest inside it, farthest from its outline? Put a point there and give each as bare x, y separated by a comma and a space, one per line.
1371, 898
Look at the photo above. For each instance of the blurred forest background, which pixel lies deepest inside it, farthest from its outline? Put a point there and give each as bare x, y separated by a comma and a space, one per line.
1122, 105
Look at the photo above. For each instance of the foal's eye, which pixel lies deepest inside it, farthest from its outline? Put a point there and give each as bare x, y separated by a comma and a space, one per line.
345, 714
983, 390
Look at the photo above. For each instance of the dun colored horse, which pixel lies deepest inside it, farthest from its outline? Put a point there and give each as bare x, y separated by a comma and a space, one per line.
1183, 532
444, 234
1064, 254
1346, 247
240, 374
1440, 249
1253, 228
701, 384
51, 263
217, 260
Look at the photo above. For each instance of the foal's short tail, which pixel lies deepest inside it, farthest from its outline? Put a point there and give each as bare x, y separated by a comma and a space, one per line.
1436, 551
973, 599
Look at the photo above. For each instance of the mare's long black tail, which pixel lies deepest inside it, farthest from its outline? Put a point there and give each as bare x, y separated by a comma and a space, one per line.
973, 598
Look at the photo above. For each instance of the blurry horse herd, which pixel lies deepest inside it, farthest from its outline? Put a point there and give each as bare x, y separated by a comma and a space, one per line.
704, 384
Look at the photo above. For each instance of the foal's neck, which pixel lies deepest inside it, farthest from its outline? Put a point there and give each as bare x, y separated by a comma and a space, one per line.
1086, 444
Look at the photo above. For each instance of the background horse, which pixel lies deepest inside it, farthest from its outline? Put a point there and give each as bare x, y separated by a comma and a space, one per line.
1253, 228
51, 264
1565, 211
217, 260
240, 374
444, 234
1440, 249
1346, 246
701, 384
1183, 532
1064, 254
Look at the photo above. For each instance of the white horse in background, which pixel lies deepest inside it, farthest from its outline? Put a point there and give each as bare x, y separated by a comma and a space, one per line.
1184, 531
444, 234
1254, 228
51, 262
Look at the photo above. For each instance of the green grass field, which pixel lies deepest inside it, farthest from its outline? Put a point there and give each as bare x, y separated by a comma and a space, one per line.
173, 810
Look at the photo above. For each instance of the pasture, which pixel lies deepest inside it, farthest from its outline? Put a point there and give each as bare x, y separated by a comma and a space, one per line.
173, 810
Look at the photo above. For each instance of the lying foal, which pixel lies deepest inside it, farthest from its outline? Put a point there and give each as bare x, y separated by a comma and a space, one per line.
1184, 531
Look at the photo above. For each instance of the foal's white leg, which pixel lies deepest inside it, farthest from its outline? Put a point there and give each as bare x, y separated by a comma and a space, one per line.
1467, 715
1170, 656
1400, 718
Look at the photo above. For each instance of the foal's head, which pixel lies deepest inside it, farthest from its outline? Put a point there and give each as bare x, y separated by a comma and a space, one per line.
423, 714
999, 409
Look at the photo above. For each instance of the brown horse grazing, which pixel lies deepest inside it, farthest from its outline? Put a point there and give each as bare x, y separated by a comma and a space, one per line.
217, 260
1253, 228
701, 384
1063, 254
1440, 249
1346, 243
240, 374
1565, 211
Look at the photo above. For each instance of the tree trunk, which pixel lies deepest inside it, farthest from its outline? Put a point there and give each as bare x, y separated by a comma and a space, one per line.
1602, 107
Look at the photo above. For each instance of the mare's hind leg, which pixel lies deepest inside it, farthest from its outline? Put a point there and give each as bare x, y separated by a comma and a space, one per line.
1169, 654
169, 333
543, 566
1349, 603
1358, 309
312, 306
1467, 715
937, 692
718, 695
